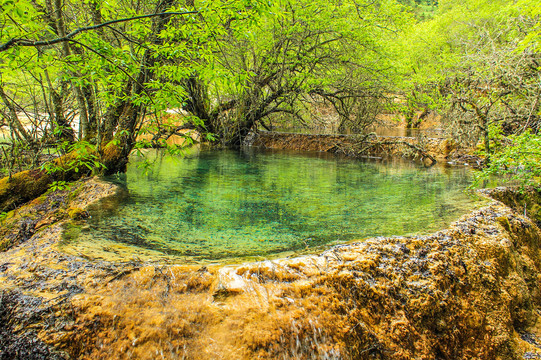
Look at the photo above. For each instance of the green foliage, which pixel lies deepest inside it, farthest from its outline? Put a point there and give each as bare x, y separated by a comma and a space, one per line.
423, 9
59, 185
302, 56
474, 63
452, 41
231, 66
80, 156
85, 157
532, 40
519, 161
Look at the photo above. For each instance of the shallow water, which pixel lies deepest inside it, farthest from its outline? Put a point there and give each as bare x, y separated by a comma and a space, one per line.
218, 205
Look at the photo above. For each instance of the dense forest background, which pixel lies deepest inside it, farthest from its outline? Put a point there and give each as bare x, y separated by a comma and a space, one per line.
84, 83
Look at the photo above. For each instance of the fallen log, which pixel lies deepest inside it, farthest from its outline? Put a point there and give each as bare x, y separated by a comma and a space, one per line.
369, 144
26, 185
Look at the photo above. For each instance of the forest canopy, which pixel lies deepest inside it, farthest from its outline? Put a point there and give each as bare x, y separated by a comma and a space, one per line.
94, 80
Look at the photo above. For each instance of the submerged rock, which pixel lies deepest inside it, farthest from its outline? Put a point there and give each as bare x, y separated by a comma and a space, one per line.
471, 291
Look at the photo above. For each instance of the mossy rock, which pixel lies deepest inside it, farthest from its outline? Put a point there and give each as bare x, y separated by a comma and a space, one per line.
524, 201
504, 222
74, 192
22, 187
30, 184
534, 212
5, 244
71, 232
77, 213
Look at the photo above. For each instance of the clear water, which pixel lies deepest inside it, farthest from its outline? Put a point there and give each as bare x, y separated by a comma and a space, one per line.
224, 204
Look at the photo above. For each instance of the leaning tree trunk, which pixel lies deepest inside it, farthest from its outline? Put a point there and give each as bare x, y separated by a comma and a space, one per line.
126, 115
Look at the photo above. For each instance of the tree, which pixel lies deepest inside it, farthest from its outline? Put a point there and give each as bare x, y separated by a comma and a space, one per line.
115, 77
478, 70
98, 66
304, 54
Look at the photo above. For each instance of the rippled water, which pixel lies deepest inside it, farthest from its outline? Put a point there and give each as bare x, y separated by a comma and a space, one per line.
226, 204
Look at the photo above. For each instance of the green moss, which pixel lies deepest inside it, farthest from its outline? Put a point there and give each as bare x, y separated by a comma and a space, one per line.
10, 215
110, 153
38, 201
22, 187
504, 222
534, 212
5, 244
77, 213
8, 223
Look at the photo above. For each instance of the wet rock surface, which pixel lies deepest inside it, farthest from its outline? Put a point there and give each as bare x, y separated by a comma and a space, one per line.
471, 291
16, 344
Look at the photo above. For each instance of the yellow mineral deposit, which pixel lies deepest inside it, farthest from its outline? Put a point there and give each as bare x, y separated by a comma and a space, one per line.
468, 292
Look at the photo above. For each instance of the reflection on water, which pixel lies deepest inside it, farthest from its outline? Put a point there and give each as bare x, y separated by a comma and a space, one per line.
226, 204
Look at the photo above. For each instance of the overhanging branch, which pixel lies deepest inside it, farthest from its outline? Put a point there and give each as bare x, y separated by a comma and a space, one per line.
38, 43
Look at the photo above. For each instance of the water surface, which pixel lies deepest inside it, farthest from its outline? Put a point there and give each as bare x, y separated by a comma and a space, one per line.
218, 205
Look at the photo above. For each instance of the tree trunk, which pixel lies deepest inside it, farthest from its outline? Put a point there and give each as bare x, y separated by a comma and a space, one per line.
13, 119
67, 132
125, 116
483, 119
486, 138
